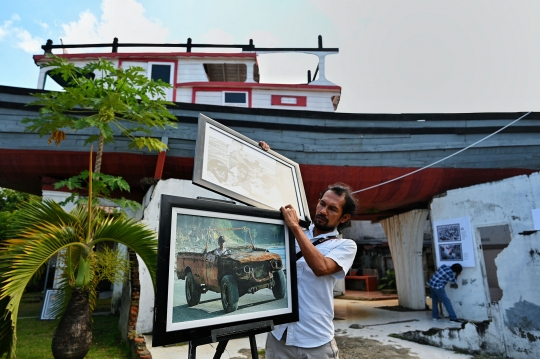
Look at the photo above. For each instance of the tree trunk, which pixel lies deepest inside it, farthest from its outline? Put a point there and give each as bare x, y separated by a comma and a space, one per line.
97, 167
73, 337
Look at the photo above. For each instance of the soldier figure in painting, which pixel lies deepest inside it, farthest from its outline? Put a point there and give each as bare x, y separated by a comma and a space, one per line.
222, 250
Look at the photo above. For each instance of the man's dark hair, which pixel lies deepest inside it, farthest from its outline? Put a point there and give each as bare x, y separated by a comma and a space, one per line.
221, 239
341, 189
456, 268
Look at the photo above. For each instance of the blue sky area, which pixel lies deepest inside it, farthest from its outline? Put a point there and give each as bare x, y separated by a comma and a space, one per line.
395, 56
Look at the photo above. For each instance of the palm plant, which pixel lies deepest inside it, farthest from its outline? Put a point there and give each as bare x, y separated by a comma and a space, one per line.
45, 229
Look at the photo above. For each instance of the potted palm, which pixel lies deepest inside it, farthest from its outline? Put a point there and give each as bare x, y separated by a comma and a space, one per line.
44, 229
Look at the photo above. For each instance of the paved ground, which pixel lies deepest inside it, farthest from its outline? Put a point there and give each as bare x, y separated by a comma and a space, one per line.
369, 340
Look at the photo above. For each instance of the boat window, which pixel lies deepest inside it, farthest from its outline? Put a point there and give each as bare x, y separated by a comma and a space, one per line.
161, 72
235, 98
227, 72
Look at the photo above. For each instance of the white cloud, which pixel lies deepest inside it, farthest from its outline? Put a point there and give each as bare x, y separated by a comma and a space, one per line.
28, 43
82, 31
20, 37
119, 18
5, 29
43, 25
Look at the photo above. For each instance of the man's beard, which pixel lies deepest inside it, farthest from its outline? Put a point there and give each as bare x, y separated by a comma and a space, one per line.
321, 226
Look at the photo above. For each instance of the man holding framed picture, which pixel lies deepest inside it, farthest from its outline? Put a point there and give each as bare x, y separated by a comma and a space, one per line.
322, 259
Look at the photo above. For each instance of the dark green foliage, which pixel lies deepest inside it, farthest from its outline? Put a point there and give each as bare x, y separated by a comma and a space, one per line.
388, 281
102, 186
10, 200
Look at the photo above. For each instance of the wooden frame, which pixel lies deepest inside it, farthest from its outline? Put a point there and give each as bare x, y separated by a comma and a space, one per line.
233, 165
197, 284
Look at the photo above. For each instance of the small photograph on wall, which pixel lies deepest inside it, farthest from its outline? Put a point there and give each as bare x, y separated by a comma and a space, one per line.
449, 233
454, 242
451, 252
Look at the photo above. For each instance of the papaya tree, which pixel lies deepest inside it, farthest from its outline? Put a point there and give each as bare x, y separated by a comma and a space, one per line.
109, 99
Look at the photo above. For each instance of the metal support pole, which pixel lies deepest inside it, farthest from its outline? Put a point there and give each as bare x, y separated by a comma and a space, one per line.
220, 349
253, 345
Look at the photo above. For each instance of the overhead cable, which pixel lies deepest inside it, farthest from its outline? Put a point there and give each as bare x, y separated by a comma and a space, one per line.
442, 159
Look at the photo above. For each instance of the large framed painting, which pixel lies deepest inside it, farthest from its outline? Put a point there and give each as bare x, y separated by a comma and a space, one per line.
231, 164
220, 266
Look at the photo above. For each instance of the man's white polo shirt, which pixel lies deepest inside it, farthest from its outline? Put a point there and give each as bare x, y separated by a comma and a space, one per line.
315, 294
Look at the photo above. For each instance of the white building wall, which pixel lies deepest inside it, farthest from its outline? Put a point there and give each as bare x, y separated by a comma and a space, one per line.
365, 230
184, 94
209, 97
517, 314
316, 101
191, 70
128, 64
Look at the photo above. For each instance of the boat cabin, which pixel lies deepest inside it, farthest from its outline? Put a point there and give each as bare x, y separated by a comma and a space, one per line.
213, 78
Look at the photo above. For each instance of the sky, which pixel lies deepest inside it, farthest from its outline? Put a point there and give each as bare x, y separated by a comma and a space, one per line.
395, 56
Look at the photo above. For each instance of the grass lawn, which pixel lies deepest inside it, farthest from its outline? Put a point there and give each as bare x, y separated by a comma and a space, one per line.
35, 336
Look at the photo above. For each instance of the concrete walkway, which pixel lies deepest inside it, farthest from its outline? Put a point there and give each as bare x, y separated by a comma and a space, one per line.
374, 323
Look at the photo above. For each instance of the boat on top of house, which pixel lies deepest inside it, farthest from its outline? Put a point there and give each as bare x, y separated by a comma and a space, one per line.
299, 121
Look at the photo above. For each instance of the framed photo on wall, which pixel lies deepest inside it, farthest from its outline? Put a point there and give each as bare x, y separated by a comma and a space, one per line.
233, 165
454, 242
221, 265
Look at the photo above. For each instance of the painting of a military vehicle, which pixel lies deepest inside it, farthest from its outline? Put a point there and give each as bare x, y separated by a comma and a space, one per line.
243, 268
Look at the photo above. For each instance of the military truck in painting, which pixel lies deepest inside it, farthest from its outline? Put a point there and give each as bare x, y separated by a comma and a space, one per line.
242, 269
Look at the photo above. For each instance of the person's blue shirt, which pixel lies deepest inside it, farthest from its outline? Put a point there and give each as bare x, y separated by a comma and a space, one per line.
441, 277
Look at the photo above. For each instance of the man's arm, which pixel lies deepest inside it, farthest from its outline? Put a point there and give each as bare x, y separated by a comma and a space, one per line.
319, 264
451, 276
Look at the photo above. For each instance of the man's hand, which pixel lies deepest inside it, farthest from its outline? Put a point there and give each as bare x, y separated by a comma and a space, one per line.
319, 264
264, 145
289, 216
453, 285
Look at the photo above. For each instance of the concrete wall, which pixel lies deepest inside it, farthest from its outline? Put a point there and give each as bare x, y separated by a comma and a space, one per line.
517, 315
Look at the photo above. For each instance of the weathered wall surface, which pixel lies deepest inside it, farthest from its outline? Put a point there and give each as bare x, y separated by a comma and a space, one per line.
516, 317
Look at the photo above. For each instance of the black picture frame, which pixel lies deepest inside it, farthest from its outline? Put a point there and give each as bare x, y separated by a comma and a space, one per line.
233, 165
187, 229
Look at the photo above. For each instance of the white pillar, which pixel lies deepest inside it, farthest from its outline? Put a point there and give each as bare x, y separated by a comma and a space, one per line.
405, 233
250, 69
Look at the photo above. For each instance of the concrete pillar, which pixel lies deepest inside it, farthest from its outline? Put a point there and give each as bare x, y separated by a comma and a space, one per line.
405, 233
250, 70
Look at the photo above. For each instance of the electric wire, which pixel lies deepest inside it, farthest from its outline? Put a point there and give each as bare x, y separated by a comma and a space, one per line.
442, 159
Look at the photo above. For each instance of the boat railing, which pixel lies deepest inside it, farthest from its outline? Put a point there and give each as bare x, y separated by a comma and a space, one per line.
189, 45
